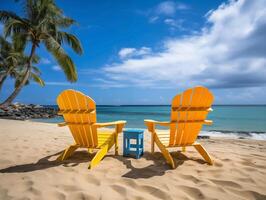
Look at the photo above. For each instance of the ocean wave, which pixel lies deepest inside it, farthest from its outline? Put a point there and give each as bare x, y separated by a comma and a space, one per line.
256, 135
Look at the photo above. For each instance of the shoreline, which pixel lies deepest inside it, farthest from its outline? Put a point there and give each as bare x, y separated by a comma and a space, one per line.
227, 134
220, 134
238, 123
216, 133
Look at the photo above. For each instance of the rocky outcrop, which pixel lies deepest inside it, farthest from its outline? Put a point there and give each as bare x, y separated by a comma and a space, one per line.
20, 111
203, 137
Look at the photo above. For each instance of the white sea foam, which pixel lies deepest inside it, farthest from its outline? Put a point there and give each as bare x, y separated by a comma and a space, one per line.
235, 134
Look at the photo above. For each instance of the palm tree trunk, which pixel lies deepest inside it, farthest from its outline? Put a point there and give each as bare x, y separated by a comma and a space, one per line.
2, 79
14, 94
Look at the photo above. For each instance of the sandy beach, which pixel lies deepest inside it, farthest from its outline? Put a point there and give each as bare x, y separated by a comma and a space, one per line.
28, 169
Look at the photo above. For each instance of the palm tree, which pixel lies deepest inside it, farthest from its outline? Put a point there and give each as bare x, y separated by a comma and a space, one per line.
8, 59
13, 62
41, 24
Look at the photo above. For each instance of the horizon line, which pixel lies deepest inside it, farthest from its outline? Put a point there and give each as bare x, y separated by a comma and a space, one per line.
112, 105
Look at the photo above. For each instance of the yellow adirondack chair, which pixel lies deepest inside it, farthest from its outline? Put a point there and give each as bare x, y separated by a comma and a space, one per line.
79, 112
188, 114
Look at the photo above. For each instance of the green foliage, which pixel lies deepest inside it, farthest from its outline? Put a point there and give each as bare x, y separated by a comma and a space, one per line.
37, 79
11, 57
13, 62
42, 22
34, 76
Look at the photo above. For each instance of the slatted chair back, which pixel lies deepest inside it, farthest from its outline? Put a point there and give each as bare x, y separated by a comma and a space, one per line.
189, 110
79, 112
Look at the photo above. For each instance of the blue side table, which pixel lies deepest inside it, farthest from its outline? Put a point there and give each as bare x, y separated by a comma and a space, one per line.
133, 149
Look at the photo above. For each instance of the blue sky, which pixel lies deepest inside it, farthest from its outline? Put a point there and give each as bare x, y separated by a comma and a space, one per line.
145, 52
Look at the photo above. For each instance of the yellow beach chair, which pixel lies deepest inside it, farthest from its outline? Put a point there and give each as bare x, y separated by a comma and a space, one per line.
188, 114
79, 112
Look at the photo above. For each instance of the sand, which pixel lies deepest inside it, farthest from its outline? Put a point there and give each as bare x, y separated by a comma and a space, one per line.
28, 169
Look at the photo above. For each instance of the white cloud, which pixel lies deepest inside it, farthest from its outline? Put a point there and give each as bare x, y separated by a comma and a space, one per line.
143, 51
163, 10
228, 52
125, 52
54, 83
170, 22
56, 68
166, 8
169, 8
133, 52
98, 83
102, 83
153, 19
45, 61
174, 24
182, 6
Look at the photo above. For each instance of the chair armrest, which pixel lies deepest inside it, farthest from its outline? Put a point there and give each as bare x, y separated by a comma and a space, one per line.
157, 122
151, 124
118, 124
208, 122
62, 124
104, 124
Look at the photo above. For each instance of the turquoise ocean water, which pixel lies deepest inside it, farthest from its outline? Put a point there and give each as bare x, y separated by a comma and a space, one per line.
235, 121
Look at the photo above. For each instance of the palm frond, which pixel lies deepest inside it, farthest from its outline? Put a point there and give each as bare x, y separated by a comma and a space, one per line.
64, 61
18, 82
35, 59
36, 70
65, 22
71, 40
15, 26
28, 9
19, 41
37, 79
4, 44
7, 15
42, 24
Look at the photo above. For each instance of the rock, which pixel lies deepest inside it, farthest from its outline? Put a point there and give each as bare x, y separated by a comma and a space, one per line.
16, 105
2, 112
37, 106
45, 116
203, 137
20, 111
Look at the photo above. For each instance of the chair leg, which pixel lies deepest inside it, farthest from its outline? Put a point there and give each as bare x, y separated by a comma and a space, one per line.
142, 146
152, 143
116, 144
124, 146
67, 152
203, 153
165, 152
138, 147
100, 154
90, 150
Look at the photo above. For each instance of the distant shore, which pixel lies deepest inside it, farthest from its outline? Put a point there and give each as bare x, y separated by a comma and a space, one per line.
29, 149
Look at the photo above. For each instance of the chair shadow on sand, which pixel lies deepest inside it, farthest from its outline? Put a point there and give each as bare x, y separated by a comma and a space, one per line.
157, 169
45, 163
